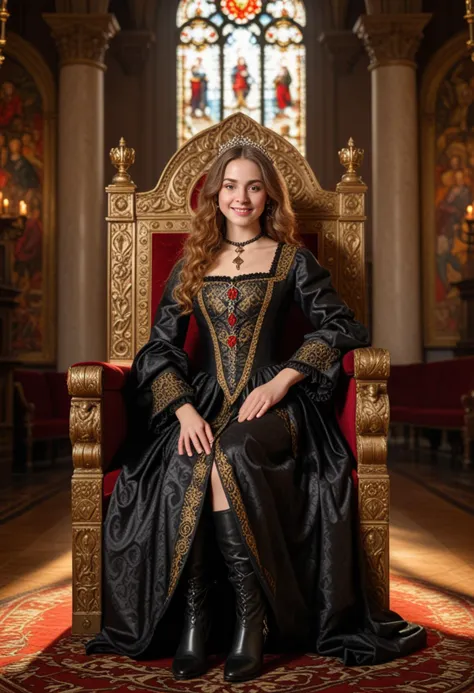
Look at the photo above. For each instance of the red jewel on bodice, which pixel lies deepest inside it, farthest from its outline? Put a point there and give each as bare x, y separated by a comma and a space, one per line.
232, 293
232, 319
232, 341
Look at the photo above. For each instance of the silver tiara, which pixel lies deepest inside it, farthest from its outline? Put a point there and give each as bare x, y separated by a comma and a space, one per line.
240, 141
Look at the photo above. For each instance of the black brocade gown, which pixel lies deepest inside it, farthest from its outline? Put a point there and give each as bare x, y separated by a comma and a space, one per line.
287, 475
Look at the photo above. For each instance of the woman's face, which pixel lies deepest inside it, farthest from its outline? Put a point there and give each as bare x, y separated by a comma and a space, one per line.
242, 196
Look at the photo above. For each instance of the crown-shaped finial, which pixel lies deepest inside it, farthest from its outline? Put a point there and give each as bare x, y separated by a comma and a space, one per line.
241, 141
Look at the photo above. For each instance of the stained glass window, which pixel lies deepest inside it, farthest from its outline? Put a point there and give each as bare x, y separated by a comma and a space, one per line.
242, 55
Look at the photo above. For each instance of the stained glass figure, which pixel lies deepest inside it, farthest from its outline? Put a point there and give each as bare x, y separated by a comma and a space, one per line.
242, 55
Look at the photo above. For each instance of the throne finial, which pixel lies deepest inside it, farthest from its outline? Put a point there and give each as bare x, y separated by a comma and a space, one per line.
122, 157
351, 157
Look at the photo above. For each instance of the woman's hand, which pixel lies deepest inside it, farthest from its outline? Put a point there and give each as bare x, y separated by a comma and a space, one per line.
194, 429
265, 396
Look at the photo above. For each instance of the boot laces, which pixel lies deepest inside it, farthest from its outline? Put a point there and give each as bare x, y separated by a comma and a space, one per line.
194, 598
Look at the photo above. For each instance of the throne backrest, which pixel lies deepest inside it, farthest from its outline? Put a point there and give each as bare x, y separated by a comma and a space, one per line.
146, 230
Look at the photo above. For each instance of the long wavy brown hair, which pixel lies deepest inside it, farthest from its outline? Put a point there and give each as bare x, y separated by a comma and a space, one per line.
208, 225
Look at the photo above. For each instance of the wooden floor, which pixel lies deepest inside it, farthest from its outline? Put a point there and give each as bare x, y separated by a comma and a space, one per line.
431, 539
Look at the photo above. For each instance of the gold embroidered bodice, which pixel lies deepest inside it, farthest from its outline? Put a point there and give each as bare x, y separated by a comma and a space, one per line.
238, 321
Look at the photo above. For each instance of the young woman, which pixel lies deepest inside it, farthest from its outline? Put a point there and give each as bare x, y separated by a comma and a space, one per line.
240, 458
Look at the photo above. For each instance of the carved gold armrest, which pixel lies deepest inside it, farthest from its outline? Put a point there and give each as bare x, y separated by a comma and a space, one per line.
85, 431
371, 371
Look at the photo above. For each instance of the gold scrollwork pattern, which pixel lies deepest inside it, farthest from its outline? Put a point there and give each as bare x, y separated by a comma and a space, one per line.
373, 411
121, 205
316, 354
353, 204
351, 270
166, 388
371, 363
85, 430
374, 539
84, 421
372, 368
374, 499
233, 493
87, 556
284, 263
85, 381
86, 499
187, 522
121, 289
196, 156
143, 283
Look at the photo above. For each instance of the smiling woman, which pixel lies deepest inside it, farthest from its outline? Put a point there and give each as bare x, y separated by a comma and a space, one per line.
245, 443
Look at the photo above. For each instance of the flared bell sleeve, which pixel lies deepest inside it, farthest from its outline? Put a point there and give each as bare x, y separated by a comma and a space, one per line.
161, 373
335, 329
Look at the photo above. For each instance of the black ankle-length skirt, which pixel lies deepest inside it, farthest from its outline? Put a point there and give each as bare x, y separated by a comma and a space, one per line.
287, 476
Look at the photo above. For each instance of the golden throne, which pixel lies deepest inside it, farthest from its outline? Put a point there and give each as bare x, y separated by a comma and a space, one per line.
145, 234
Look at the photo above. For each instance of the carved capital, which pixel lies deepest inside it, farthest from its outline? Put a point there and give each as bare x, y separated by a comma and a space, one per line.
82, 38
132, 48
391, 39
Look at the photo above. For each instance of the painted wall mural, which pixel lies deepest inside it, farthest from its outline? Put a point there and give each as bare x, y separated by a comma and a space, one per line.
447, 112
26, 178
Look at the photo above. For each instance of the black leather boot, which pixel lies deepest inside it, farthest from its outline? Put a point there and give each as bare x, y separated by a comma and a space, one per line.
190, 659
245, 659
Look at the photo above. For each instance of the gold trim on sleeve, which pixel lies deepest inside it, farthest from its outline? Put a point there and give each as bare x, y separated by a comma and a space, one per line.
166, 388
317, 354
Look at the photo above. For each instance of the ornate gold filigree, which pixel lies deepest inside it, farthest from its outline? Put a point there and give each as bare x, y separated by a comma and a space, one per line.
353, 205
316, 354
121, 289
284, 263
233, 494
84, 421
375, 552
374, 504
143, 312
187, 522
373, 409
351, 267
85, 381
166, 388
86, 598
371, 364
195, 157
372, 367
121, 205
85, 430
86, 499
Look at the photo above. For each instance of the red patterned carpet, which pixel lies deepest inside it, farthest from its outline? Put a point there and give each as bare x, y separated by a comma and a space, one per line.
37, 653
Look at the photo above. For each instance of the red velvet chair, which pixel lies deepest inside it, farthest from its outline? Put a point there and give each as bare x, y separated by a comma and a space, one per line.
41, 413
146, 231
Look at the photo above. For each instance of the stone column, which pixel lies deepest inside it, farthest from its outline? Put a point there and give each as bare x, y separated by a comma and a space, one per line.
82, 40
391, 41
